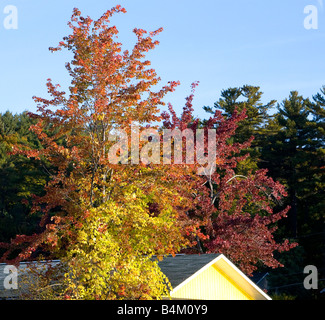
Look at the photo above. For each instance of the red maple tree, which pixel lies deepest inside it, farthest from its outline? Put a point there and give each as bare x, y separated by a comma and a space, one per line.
235, 212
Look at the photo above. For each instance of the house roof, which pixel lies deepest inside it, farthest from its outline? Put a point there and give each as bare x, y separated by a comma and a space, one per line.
182, 268
179, 270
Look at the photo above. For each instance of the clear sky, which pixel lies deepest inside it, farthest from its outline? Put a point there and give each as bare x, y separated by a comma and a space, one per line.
221, 43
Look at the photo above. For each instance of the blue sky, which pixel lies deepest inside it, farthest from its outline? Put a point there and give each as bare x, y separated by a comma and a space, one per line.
221, 43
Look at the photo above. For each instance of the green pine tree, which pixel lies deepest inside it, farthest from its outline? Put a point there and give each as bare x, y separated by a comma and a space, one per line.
20, 178
246, 98
294, 154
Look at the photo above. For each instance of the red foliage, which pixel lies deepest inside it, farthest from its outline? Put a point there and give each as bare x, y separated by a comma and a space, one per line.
236, 212
220, 212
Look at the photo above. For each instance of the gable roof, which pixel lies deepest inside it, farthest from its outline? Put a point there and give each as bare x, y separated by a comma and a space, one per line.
183, 268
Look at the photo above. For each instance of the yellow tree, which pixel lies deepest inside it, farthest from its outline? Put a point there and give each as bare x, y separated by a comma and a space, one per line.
97, 213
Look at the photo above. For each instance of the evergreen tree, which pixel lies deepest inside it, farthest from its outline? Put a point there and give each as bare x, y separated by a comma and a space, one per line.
20, 178
294, 155
246, 98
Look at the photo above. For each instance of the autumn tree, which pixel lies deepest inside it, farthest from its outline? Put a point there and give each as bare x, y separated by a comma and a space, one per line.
110, 204
235, 212
97, 214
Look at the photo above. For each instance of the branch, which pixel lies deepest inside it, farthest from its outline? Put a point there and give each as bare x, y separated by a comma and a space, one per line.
236, 176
